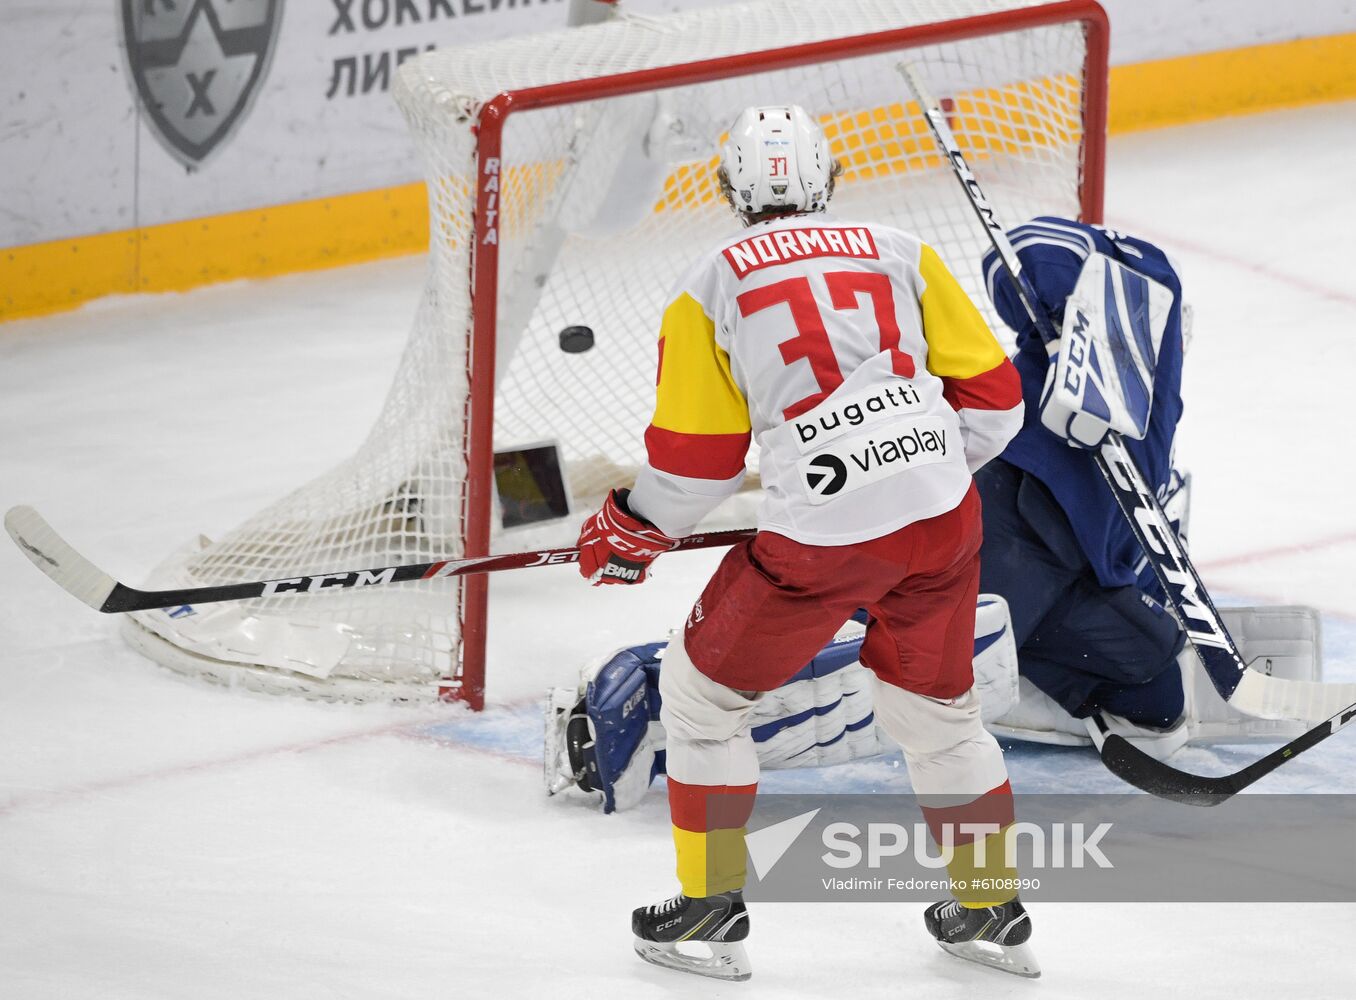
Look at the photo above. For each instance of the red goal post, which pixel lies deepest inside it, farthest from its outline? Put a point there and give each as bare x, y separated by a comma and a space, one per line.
571, 179
490, 125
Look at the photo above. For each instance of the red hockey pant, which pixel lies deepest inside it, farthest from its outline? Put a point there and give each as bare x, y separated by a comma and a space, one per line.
770, 607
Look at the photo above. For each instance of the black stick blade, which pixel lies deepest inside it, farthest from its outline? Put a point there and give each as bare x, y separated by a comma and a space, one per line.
1133, 765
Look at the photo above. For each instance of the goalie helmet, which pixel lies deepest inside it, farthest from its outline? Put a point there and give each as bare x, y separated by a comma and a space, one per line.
776, 161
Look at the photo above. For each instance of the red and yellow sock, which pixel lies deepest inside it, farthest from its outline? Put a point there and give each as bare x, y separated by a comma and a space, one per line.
979, 876
709, 824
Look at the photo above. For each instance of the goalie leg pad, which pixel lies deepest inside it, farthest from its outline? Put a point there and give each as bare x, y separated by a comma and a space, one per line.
618, 706
995, 660
1280, 641
605, 737
1284, 641
597, 739
822, 715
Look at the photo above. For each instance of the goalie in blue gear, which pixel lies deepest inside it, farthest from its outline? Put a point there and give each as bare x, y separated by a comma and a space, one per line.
1087, 616
1069, 602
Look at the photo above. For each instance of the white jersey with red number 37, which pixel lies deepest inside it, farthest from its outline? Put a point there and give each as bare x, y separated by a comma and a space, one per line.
869, 379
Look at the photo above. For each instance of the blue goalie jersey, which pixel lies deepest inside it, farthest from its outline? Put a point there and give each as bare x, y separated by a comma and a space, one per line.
1052, 252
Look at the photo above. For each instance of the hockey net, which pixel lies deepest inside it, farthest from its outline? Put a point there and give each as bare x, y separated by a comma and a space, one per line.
571, 180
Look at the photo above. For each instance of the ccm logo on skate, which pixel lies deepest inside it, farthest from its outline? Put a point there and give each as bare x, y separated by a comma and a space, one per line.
324, 581
863, 460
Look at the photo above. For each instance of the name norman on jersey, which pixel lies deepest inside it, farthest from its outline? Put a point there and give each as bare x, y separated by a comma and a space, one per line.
781, 246
819, 338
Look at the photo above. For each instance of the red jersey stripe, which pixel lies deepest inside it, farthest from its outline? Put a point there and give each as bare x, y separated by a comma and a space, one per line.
697, 456
999, 388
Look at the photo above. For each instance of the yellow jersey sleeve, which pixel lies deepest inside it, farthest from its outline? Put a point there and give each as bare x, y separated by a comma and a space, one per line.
960, 343
962, 350
701, 423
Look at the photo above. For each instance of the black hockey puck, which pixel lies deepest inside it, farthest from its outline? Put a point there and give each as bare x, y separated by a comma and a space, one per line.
576, 339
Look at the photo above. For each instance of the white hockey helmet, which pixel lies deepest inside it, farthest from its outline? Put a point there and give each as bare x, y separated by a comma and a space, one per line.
776, 161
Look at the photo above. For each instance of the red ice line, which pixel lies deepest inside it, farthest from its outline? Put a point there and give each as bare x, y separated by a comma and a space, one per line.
1178, 242
59, 795
1281, 277
1279, 551
75, 792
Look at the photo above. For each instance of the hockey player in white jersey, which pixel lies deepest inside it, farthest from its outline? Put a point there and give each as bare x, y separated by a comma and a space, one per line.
874, 389
1079, 645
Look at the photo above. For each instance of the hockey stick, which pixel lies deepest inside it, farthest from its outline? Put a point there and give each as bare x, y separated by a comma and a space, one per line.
1248, 690
1125, 760
88, 583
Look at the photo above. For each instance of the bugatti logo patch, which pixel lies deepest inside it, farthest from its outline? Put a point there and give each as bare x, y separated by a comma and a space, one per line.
196, 66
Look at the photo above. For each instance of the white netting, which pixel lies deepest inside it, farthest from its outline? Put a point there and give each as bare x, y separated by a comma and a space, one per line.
603, 204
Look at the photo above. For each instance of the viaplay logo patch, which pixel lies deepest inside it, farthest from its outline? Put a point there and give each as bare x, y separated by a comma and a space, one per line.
825, 475
853, 463
197, 66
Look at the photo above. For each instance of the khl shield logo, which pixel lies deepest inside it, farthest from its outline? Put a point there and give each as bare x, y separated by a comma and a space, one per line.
197, 65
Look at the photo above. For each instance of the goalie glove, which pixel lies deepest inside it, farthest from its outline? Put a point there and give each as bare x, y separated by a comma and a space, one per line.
1101, 374
615, 546
1079, 428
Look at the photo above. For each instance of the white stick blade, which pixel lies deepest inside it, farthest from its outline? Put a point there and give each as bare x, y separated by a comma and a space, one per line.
914, 79
1287, 698
49, 552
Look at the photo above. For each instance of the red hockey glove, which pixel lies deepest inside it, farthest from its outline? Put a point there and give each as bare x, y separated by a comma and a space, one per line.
615, 546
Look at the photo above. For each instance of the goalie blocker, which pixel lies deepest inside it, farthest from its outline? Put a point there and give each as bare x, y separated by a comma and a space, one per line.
603, 737
1103, 366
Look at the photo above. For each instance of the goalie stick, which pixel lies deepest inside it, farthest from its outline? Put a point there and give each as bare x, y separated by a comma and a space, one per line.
1128, 762
1248, 690
88, 583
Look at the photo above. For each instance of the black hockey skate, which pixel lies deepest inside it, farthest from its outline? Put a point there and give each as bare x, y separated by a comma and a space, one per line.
992, 935
717, 923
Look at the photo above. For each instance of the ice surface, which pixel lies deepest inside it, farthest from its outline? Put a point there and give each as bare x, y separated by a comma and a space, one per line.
160, 838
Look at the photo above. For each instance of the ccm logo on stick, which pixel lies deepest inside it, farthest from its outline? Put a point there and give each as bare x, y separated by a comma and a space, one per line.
325, 581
